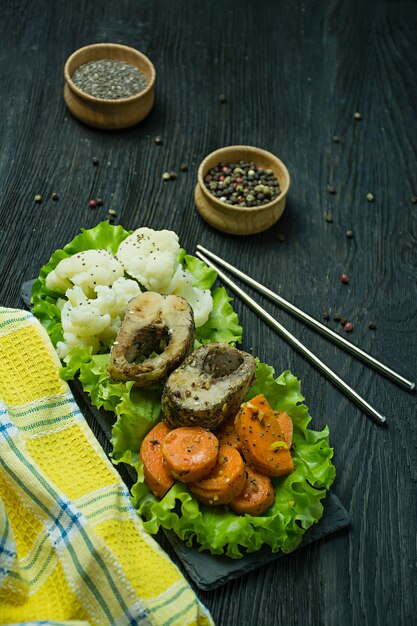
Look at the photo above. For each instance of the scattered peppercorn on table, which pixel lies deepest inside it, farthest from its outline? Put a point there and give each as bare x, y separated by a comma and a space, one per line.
326, 87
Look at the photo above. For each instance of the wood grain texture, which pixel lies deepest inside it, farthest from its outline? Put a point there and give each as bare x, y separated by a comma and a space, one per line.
294, 74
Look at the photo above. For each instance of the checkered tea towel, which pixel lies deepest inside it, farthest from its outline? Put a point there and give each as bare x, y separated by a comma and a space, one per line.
72, 548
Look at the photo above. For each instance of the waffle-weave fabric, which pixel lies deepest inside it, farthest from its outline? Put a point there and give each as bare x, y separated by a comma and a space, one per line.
72, 548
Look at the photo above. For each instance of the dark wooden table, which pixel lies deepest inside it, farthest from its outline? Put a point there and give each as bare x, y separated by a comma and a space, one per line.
294, 74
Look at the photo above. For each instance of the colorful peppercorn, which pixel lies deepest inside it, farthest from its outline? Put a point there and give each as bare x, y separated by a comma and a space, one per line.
243, 184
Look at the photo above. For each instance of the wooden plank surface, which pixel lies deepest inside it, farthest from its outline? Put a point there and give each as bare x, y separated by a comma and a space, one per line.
294, 74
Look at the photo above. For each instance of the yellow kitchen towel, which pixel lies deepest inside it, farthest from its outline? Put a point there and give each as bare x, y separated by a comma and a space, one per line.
72, 547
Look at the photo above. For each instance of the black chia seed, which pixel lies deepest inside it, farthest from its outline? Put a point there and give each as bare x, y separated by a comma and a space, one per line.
242, 184
108, 79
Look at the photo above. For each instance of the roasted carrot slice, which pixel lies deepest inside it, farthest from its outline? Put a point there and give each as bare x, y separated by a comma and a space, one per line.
225, 481
228, 436
190, 453
256, 496
286, 426
263, 443
260, 406
156, 476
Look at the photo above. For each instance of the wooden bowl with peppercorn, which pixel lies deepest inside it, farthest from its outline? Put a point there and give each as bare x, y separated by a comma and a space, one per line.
241, 190
109, 85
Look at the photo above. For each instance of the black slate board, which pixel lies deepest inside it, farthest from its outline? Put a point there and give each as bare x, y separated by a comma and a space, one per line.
207, 571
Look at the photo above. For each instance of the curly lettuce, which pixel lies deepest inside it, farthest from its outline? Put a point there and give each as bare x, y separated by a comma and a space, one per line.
298, 499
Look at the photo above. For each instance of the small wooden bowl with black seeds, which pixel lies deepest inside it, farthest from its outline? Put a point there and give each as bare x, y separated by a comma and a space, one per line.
110, 109
241, 190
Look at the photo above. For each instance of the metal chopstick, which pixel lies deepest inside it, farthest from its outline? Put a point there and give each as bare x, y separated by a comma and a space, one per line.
327, 332
334, 378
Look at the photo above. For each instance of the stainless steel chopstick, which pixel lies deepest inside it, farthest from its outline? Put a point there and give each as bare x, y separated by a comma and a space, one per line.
322, 367
327, 332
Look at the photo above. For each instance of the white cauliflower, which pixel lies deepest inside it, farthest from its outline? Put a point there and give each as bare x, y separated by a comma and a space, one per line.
94, 321
85, 269
114, 299
200, 300
150, 256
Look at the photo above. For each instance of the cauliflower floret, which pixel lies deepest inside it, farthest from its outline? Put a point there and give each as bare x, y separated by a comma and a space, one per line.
79, 324
84, 321
74, 341
86, 269
114, 299
150, 256
76, 297
109, 334
200, 300
95, 321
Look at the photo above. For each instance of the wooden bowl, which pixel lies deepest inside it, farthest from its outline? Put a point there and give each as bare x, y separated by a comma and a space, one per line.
103, 112
234, 219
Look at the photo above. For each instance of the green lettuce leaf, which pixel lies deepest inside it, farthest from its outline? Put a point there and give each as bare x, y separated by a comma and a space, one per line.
223, 323
204, 276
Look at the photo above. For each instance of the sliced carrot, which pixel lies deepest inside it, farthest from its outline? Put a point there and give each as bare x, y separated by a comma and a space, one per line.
190, 453
263, 443
260, 406
225, 481
256, 496
228, 436
286, 425
156, 476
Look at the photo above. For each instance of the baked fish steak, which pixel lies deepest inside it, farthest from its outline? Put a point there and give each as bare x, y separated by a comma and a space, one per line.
208, 387
156, 335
